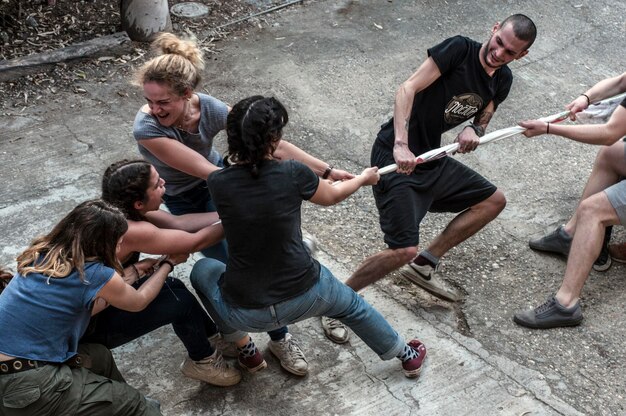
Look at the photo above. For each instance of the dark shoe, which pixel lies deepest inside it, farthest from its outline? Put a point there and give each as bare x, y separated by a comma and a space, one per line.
427, 278
412, 368
252, 364
550, 315
603, 262
558, 241
618, 252
228, 349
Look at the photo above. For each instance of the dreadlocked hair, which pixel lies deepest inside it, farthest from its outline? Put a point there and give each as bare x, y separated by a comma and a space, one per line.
90, 232
124, 183
254, 128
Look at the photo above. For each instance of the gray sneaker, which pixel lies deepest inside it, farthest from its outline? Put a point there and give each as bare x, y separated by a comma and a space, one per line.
551, 314
335, 330
290, 355
427, 278
558, 241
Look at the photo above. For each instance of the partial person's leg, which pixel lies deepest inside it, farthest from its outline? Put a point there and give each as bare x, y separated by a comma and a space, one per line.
593, 215
101, 361
467, 223
460, 189
204, 279
99, 396
330, 297
175, 305
375, 267
608, 168
401, 208
58, 389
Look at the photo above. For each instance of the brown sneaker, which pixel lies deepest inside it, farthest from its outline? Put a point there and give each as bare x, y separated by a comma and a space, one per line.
228, 349
212, 370
618, 252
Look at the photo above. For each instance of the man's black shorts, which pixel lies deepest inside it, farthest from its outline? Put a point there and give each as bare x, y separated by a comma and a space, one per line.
444, 185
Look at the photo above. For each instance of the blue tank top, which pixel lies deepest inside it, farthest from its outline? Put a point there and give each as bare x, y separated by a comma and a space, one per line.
43, 318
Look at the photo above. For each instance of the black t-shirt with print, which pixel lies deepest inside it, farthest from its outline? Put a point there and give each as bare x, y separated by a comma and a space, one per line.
463, 90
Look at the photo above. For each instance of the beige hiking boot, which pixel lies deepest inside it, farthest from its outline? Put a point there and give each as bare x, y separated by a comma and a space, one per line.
212, 370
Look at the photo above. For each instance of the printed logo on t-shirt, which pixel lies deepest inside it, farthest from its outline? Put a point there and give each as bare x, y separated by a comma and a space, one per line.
462, 107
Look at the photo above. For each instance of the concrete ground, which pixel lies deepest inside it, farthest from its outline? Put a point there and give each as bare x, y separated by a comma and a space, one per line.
337, 74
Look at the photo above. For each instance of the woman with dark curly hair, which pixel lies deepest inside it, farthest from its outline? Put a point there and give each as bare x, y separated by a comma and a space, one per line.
134, 186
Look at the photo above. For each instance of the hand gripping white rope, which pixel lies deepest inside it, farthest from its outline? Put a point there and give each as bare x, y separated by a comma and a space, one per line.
501, 134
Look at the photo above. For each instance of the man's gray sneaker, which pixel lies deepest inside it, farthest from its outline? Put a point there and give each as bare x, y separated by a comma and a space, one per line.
558, 241
551, 314
427, 278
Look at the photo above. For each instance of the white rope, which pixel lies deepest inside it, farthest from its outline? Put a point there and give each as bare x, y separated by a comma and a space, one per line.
488, 138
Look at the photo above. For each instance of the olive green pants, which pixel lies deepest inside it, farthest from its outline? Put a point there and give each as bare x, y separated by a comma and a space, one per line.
61, 390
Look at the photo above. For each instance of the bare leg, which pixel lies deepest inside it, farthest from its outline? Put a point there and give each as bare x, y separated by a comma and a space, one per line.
593, 215
379, 265
607, 169
467, 224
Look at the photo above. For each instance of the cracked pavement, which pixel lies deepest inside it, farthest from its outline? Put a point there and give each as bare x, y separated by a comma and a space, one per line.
337, 74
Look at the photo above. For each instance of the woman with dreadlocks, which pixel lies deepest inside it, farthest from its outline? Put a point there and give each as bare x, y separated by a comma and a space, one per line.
270, 279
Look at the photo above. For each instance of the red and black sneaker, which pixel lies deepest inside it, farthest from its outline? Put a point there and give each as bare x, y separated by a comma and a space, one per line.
252, 364
412, 368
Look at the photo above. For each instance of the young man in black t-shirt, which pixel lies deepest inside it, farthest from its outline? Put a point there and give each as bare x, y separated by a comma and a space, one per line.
459, 80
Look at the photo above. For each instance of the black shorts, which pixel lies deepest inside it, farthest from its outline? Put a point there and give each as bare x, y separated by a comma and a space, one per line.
444, 185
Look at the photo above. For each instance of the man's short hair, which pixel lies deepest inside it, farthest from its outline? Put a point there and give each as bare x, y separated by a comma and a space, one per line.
523, 28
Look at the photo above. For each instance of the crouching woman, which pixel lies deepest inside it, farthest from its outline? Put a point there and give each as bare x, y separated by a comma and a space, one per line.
46, 308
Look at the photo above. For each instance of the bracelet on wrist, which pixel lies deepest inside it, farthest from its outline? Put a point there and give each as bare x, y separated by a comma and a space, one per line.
588, 100
548, 127
326, 173
166, 261
477, 129
399, 143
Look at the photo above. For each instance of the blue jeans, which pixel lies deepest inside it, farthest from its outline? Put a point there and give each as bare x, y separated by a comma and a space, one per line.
328, 297
175, 304
197, 200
